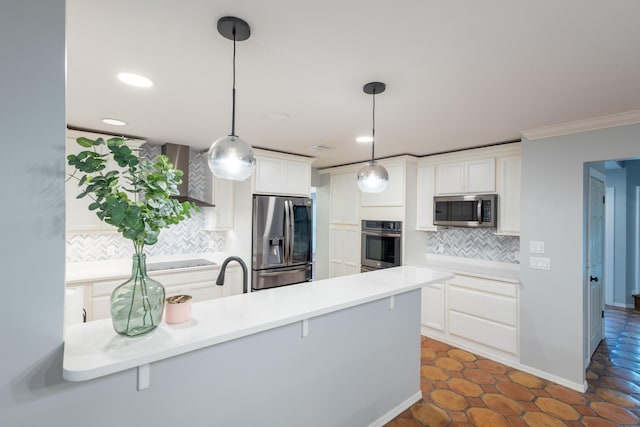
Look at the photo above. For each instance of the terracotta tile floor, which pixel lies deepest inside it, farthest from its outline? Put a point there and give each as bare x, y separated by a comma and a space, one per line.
462, 389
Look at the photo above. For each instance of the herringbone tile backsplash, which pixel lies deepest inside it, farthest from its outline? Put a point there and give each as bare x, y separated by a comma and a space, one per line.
184, 238
477, 243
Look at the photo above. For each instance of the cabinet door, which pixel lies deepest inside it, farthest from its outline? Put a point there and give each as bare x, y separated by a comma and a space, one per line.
450, 178
424, 197
335, 252
297, 178
344, 199
221, 216
480, 176
351, 255
393, 195
509, 195
344, 250
268, 175
434, 306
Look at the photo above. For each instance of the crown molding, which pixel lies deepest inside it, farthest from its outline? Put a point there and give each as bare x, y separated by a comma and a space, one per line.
602, 122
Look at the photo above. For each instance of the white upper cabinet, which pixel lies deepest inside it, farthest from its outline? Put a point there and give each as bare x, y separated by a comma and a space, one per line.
424, 197
480, 176
344, 199
509, 195
393, 195
472, 176
221, 216
451, 178
286, 175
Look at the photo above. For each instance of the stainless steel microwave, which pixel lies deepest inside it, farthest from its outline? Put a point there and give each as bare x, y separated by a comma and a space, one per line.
479, 210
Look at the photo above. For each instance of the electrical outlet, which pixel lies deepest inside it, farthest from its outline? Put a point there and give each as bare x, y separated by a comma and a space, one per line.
516, 256
111, 251
210, 246
539, 263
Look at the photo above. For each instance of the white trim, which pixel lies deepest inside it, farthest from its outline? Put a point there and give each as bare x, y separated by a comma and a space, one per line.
598, 175
602, 122
609, 246
512, 363
637, 262
397, 410
144, 376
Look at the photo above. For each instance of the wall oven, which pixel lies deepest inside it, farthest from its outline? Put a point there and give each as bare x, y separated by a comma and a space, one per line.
465, 211
381, 243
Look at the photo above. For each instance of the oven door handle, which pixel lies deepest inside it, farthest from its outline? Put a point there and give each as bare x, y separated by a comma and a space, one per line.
374, 233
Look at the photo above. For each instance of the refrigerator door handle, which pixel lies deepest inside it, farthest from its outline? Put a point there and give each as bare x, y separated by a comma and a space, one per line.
287, 225
292, 231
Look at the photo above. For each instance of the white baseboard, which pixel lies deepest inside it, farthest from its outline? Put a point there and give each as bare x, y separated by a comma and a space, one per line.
380, 422
507, 361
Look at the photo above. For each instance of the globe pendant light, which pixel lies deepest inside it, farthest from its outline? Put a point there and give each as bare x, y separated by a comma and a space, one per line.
231, 157
373, 178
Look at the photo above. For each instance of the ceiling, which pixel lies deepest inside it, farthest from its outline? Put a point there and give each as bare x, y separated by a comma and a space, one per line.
459, 73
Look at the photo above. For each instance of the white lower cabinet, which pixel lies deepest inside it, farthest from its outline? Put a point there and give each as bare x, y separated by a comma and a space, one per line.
199, 284
475, 313
344, 250
433, 306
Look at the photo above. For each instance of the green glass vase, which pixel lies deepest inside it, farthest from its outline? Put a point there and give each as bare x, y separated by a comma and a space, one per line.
137, 304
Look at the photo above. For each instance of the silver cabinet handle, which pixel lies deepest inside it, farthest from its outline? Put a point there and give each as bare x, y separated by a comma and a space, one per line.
373, 233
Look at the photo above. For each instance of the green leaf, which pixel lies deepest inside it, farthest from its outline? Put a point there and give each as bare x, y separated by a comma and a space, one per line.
84, 142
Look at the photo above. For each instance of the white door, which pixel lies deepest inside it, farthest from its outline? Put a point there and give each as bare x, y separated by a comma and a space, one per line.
595, 242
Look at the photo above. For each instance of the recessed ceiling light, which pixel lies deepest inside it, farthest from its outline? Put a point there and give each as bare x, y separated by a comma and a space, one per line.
114, 122
135, 80
364, 139
276, 116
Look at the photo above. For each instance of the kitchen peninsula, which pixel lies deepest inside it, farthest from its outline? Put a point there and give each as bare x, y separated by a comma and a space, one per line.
340, 352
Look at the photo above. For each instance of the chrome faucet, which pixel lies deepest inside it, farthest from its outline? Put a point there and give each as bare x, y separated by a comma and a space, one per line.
223, 268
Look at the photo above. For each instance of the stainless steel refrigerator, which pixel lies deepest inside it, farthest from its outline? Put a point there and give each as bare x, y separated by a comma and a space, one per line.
282, 234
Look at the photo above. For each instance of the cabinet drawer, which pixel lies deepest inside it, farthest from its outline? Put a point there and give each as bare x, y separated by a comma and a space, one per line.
485, 332
486, 285
496, 308
175, 278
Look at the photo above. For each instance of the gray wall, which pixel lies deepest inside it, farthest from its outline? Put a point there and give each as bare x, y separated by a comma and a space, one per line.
553, 303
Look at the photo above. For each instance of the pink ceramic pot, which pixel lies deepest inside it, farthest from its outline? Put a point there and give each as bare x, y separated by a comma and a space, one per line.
178, 309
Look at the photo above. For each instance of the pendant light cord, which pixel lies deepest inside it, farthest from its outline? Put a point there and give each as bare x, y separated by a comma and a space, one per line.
233, 94
373, 131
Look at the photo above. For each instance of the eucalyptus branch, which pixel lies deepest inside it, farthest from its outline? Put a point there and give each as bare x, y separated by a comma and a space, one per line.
135, 198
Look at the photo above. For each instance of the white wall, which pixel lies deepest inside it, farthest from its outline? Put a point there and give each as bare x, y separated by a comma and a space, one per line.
552, 309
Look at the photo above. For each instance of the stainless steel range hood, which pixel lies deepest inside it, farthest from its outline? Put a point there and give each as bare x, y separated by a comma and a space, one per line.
179, 156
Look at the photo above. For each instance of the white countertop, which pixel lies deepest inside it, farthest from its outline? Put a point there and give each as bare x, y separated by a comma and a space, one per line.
82, 272
94, 349
506, 272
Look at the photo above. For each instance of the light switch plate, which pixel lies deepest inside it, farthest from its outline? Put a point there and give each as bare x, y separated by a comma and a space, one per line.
536, 247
